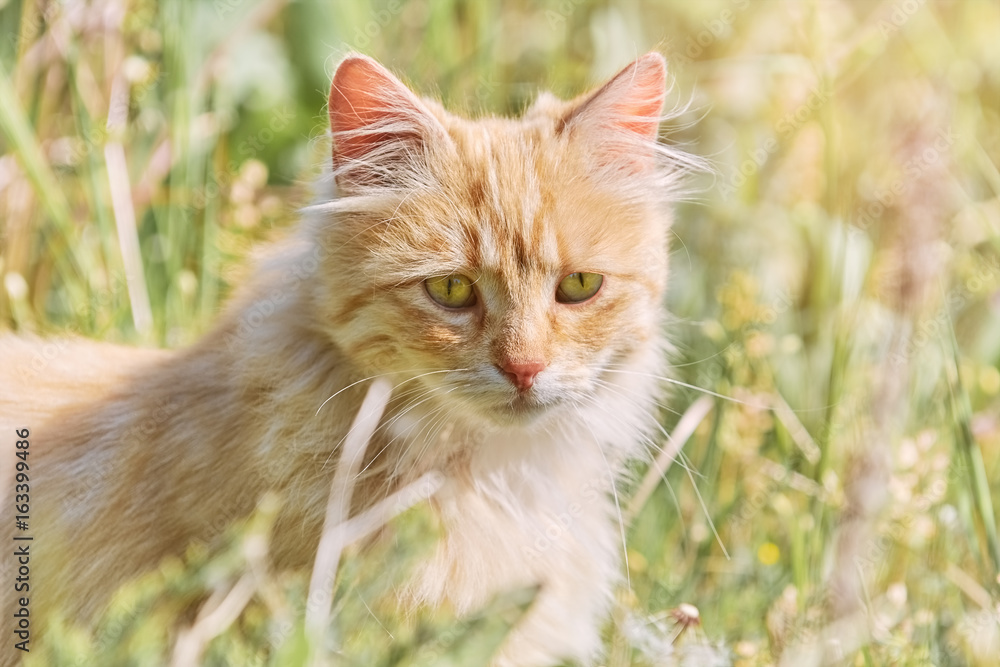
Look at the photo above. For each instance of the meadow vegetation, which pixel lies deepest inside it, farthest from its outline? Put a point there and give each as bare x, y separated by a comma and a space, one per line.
835, 288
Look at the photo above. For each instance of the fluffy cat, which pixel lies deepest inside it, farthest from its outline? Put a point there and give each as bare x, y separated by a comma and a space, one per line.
507, 276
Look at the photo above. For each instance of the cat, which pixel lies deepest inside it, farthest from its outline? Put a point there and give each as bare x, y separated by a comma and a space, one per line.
506, 275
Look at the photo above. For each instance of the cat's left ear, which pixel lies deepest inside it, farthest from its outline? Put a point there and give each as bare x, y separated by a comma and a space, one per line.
629, 105
381, 131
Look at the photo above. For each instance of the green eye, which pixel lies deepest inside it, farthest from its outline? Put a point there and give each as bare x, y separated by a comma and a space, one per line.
454, 291
578, 287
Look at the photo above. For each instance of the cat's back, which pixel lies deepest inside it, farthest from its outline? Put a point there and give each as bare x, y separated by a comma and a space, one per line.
40, 378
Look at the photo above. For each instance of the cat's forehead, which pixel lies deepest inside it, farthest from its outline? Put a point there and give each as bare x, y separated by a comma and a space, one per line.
501, 183
505, 150
515, 199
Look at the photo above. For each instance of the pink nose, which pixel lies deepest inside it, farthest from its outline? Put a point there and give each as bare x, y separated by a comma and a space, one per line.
522, 373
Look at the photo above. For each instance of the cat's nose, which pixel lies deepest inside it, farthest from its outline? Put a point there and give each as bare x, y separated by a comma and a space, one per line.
522, 373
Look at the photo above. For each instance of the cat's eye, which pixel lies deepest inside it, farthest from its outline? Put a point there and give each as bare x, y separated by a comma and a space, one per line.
454, 291
578, 287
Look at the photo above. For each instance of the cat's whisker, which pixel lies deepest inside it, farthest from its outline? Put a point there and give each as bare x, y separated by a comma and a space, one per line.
393, 389
702, 360
336, 447
387, 423
437, 426
704, 509
680, 459
717, 395
663, 378
644, 439
416, 396
687, 253
421, 393
432, 417
435, 422
685, 463
365, 379
390, 218
618, 389
342, 205
615, 389
395, 419
676, 501
416, 377
394, 474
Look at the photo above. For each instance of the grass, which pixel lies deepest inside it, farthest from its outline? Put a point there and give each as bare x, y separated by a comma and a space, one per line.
836, 278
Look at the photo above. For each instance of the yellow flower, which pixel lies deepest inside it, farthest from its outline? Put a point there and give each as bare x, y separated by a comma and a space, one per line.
768, 553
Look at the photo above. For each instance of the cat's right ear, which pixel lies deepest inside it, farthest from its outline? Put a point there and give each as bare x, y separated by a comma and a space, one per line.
622, 117
380, 129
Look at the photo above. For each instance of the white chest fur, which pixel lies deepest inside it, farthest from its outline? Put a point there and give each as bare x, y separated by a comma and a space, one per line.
539, 505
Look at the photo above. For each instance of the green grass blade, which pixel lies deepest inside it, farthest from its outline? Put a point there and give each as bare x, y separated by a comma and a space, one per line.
14, 124
973, 456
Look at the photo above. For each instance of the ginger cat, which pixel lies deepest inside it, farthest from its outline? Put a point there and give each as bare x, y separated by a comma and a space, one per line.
507, 276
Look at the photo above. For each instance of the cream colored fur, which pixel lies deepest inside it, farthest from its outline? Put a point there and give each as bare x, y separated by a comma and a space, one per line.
137, 453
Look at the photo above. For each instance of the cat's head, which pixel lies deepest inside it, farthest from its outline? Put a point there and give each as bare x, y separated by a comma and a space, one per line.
507, 265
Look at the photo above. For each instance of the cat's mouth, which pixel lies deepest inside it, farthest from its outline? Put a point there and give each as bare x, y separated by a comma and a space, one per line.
527, 406
506, 407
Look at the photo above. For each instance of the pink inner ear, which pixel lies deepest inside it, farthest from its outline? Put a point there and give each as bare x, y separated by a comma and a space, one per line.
363, 98
632, 100
639, 109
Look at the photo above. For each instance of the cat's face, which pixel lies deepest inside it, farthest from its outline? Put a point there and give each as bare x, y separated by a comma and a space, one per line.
504, 265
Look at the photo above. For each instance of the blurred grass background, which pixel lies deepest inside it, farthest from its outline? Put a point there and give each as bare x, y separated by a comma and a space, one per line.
838, 276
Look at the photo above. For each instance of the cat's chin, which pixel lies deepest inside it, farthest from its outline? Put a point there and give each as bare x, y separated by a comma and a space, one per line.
523, 410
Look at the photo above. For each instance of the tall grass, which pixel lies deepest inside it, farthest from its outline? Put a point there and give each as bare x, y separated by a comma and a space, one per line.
836, 278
